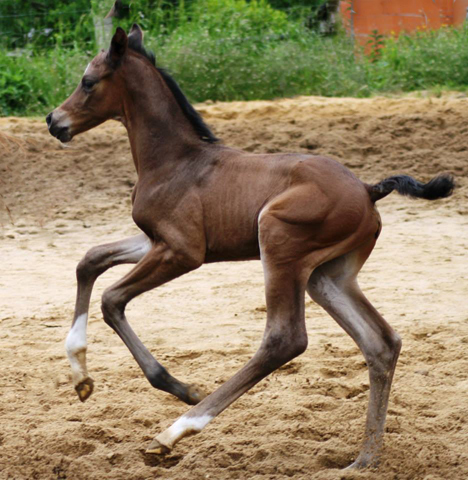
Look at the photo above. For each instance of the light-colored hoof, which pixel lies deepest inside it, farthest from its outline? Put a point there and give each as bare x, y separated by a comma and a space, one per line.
157, 448
361, 464
195, 394
85, 388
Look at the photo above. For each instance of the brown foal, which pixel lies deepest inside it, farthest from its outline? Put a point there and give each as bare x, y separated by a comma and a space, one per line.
309, 220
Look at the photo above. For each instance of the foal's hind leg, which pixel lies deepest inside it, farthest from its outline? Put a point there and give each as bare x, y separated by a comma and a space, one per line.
334, 287
285, 338
160, 265
96, 261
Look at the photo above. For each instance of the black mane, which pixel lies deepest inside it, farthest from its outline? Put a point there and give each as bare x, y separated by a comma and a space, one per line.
193, 116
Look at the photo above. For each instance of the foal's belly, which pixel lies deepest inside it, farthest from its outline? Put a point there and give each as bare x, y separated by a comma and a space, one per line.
232, 238
251, 252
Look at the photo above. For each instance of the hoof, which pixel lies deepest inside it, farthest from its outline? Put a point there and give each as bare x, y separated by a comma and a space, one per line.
361, 464
85, 388
195, 394
156, 448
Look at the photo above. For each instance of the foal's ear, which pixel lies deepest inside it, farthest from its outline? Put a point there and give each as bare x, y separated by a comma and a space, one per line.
135, 37
118, 46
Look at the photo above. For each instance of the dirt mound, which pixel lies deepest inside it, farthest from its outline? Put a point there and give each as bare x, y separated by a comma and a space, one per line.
307, 419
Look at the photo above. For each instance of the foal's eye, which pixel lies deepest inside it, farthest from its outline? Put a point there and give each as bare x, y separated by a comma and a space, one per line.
88, 84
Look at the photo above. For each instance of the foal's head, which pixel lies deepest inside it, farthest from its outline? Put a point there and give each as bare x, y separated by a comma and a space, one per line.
99, 95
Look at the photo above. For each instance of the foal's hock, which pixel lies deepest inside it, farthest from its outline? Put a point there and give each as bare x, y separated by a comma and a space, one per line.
309, 220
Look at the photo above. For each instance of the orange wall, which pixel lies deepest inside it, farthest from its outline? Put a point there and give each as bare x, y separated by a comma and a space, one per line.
394, 16
459, 11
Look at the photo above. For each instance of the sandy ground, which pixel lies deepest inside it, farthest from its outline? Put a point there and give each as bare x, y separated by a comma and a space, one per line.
306, 420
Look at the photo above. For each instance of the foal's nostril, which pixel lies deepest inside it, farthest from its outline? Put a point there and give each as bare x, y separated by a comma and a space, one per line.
49, 119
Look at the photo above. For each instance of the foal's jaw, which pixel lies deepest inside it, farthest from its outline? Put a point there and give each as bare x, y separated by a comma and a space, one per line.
64, 124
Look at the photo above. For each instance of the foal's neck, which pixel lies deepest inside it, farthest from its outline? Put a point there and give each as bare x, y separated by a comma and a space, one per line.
158, 130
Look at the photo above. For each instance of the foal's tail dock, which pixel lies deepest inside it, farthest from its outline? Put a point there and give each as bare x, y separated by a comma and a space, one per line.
439, 187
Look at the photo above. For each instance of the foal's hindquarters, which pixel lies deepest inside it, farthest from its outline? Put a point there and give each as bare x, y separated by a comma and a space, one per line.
316, 241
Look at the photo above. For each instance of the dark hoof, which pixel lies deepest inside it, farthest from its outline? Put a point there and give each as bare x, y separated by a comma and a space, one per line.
156, 448
194, 394
85, 388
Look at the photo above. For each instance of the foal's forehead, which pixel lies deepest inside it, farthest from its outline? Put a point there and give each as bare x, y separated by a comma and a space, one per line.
97, 65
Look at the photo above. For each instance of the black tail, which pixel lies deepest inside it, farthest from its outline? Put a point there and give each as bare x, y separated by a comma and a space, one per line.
439, 187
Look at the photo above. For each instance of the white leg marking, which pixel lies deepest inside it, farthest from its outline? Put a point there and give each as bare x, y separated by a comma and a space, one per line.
181, 428
75, 345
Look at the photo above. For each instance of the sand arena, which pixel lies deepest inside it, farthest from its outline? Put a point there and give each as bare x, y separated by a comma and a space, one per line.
307, 419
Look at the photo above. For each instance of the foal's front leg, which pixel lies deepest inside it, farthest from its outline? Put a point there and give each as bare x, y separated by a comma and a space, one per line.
160, 265
96, 261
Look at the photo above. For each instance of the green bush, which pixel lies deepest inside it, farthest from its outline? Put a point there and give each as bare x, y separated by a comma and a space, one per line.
156, 17
45, 23
216, 18
233, 49
241, 50
422, 60
33, 83
303, 64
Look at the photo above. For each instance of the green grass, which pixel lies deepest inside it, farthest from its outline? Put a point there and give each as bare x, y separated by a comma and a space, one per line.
260, 53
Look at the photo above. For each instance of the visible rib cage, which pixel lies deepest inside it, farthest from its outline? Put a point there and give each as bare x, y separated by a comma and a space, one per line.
439, 187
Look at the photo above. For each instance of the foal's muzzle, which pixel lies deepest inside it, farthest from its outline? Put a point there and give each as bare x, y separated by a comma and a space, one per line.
58, 126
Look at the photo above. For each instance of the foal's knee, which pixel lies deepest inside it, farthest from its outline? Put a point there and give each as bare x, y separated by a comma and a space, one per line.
89, 266
111, 306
